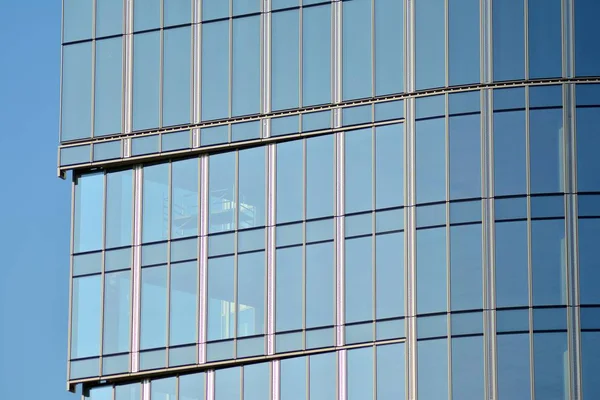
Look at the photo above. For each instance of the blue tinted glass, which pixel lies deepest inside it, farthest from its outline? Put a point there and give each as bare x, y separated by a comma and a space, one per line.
289, 181
432, 369
285, 125
547, 206
389, 110
431, 160
463, 42
109, 17
389, 279
107, 150
102, 393
84, 368
257, 380
323, 377
146, 80
551, 366
513, 367
359, 170
549, 319
246, 66
318, 338
390, 329
358, 279
356, 49
175, 141
87, 224
163, 389
155, 201
293, 378
430, 44
511, 264
467, 323
465, 211
510, 176
435, 326
431, 215
430, 106
289, 234
360, 224
546, 148
251, 294
85, 317
192, 386
154, 254
319, 230
464, 134
177, 12
316, 121
153, 322
510, 208
587, 94
465, 267
184, 250
586, 32
221, 307
467, 368
319, 177
360, 374
548, 262
277, 4
285, 56
545, 96
127, 392
177, 76
88, 263
76, 91
505, 99
389, 47
588, 205
117, 314
508, 40
390, 372
288, 287
109, 71
389, 166
215, 68
431, 270
221, 244
316, 55
589, 273
512, 320
212, 9
356, 115
590, 358
221, 192
588, 139
245, 131
227, 384
245, 6
77, 19
146, 14
214, 135
119, 204
184, 191
74, 155
320, 274
251, 191
144, 145
464, 102
545, 42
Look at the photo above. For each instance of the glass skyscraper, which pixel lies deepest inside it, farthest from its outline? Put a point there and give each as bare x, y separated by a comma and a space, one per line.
333, 200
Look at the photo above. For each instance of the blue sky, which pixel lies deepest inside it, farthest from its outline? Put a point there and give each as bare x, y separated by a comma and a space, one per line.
34, 206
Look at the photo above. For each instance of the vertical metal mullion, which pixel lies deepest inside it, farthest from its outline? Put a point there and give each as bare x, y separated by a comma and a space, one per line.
342, 365
300, 55
203, 260
304, 223
71, 248
102, 267
448, 232
374, 228
487, 43
526, 37
128, 61
275, 379
266, 57
236, 257
446, 43
161, 82
136, 276
93, 89
336, 73
373, 51
271, 271
230, 86
146, 390
168, 302
210, 385
197, 87
242, 383
339, 238
569, 38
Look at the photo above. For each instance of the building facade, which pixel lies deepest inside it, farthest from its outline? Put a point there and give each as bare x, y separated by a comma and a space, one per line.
327, 199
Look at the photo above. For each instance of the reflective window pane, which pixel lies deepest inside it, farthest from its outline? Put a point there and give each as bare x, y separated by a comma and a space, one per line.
176, 76
586, 32
246, 66
184, 191
465, 267
85, 317
512, 277
251, 294
221, 192
227, 384
358, 170
589, 268
285, 58
509, 153
431, 160
323, 374
215, 68
128, 392
183, 303
513, 367
356, 49
155, 203
358, 279
109, 17
119, 204
319, 177
389, 166
153, 323
76, 113
463, 42
467, 368
212, 9
508, 40
544, 35
316, 55
390, 372
360, 374
221, 306
588, 139
320, 282
146, 80
432, 369
288, 288
146, 14
465, 160
431, 270
389, 47
88, 218
177, 12
77, 20
117, 314
107, 92
163, 389
257, 378
290, 186
430, 44
590, 359
293, 378
551, 366
192, 387
252, 203
389, 277
548, 262
546, 147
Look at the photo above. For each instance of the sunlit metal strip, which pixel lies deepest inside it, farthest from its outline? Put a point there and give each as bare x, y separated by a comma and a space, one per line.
342, 361
203, 260
276, 378
271, 190
136, 270
339, 234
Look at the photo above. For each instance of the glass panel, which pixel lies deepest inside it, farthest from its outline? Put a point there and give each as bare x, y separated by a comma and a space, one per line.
590, 359
221, 192
319, 177
430, 106
589, 270
465, 160
465, 267
389, 166
184, 211
431, 160
89, 196
175, 141
359, 279
109, 72
293, 378
257, 379
586, 32
506, 99
467, 368
154, 308
359, 170
512, 320
212, 9
285, 59
360, 374
251, 205
214, 135
215, 67
154, 254
246, 66
389, 110
547, 206
85, 317
74, 155
286, 235
117, 314
285, 125
544, 35
290, 177
390, 372
513, 367
288, 289
182, 356
251, 294
511, 208
192, 387
463, 42
144, 145
323, 377
146, 80
89, 263
510, 176
551, 366
177, 76
466, 323
146, 14
588, 139
109, 17
359, 224
391, 220
316, 121
316, 55
183, 304
357, 115
76, 113
435, 326
107, 150
101, 393
319, 230
77, 20
389, 47
432, 369
464, 102
356, 50
177, 12
119, 204
545, 96
245, 6
465, 211
512, 277
155, 218
508, 40
320, 283
548, 262
163, 389
221, 306
127, 392
546, 144
430, 44
227, 384
431, 270
389, 279
278, 4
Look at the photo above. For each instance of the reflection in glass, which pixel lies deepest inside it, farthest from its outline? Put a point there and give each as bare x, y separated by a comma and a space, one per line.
108, 86
251, 294
221, 307
88, 218
508, 40
431, 270
119, 193
548, 262
430, 160
512, 276
389, 166
154, 308
183, 303
546, 151
293, 378
544, 35
227, 383
359, 279
316, 55
467, 368
389, 259
463, 42
465, 160
127, 392
319, 177
184, 210
76, 92
146, 80
513, 367
290, 187
510, 176
117, 314
320, 283
358, 166
430, 44
288, 289
432, 369
465, 267
221, 192
551, 366
163, 389
215, 68
155, 206
356, 49
176, 76
85, 317
256, 381
251, 203
191, 387
389, 47
246, 66
285, 58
